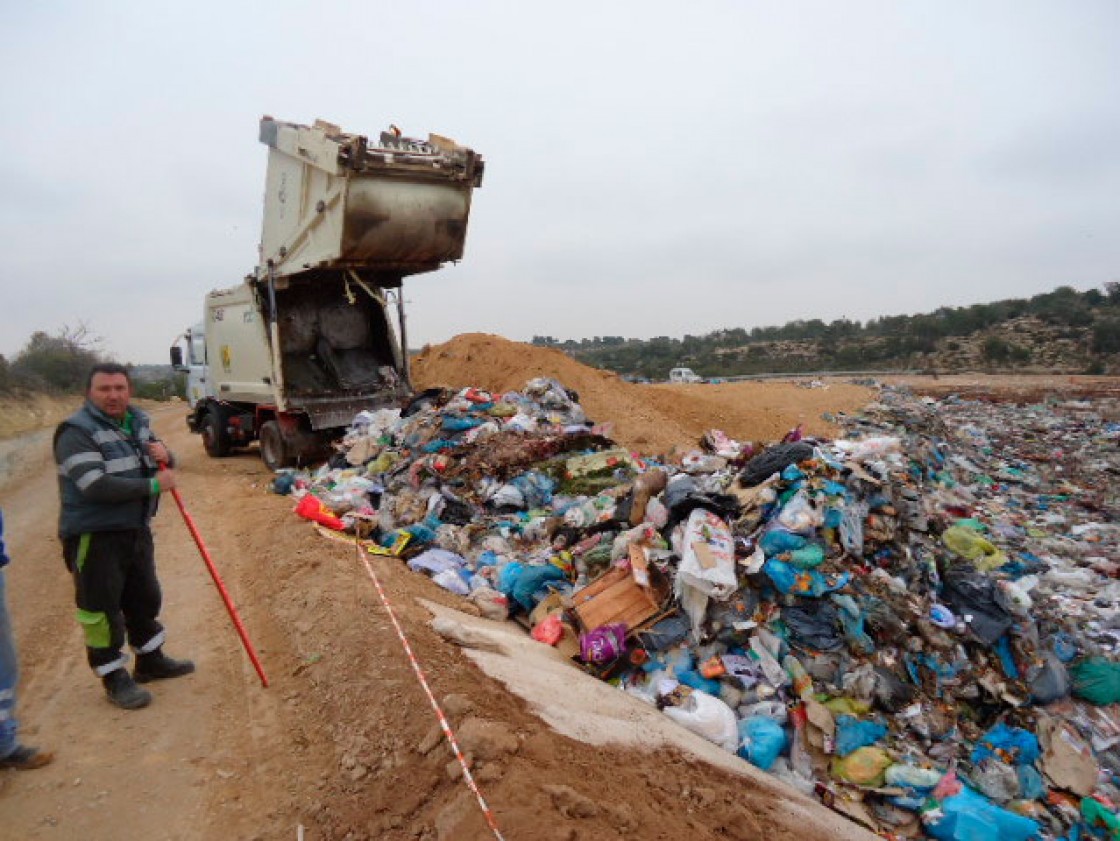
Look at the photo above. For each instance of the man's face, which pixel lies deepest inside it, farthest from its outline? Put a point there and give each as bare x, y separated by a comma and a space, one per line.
110, 393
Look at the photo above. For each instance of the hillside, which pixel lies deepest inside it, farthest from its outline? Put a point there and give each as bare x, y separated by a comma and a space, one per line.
1060, 332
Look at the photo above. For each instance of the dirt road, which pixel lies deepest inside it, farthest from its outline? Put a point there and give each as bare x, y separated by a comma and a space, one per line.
344, 743
195, 764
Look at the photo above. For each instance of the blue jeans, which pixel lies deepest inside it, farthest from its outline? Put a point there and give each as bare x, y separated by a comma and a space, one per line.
9, 676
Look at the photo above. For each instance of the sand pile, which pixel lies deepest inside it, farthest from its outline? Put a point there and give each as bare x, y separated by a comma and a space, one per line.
650, 419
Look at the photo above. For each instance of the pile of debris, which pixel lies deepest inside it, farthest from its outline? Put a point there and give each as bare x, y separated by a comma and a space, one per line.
918, 622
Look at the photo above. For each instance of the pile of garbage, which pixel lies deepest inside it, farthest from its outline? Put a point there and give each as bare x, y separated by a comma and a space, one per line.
918, 622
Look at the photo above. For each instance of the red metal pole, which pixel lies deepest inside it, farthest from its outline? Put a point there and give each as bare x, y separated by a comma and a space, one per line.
221, 587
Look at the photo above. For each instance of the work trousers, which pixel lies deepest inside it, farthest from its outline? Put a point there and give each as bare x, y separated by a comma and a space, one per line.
117, 594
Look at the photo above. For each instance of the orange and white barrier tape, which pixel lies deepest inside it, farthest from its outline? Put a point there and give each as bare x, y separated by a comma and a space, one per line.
443, 722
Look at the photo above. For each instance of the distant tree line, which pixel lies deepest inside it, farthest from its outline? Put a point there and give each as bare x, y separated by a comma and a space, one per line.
1091, 318
59, 363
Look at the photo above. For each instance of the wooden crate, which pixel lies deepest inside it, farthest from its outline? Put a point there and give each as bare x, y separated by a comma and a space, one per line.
616, 597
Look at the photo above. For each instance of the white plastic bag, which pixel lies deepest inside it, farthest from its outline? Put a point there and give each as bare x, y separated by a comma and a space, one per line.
707, 716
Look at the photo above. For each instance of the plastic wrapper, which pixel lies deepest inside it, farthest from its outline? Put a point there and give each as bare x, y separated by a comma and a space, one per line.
603, 644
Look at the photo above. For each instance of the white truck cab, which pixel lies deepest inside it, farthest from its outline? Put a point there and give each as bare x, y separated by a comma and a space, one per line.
684, 375
188, 356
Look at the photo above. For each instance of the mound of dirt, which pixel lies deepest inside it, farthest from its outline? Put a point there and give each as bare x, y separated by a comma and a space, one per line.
650, 419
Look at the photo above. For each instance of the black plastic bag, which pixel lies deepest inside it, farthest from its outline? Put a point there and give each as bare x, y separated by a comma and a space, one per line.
814, 624
972, 596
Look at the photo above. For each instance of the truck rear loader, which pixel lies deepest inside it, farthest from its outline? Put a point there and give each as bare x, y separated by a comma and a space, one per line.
308, 340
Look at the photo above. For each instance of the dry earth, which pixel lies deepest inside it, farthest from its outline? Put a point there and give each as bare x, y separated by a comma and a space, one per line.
344, 743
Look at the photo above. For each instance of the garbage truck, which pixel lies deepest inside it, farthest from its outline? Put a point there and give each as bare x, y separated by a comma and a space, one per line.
316, 332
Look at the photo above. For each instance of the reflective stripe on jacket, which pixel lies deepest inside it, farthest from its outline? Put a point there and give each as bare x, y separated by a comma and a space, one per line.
104, 473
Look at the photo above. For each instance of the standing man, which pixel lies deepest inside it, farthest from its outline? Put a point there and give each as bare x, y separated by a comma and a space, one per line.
12, 753
108, 461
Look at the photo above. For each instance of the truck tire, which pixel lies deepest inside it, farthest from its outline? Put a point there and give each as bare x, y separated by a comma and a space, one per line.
274, 450
215, 438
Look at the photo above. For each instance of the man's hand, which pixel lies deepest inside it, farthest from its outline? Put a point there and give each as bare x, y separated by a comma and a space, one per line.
166, 480
159, 452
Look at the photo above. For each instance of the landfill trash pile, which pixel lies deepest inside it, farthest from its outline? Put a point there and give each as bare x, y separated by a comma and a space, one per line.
918, 622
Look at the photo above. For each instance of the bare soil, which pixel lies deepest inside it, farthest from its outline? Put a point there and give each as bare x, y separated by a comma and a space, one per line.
344, 743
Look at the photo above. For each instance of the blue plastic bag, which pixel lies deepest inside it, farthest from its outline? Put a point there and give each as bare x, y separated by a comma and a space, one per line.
761, 740
788, 579
531, 579
852, 734
969, 816
1013, 745
777, 540
508, 575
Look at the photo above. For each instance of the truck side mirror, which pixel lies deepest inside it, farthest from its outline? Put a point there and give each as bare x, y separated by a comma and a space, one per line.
176, 357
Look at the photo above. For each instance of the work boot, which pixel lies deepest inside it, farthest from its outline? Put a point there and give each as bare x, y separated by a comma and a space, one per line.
155, 665
123, 691
25, 758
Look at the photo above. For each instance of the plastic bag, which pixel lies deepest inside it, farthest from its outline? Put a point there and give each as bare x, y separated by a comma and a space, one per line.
789, 579
799, 515
706, 716
851, 621
549, 630
761, 739
532, 579
852, 734
973, 547
1097, 680
1098, 816
968, 816
453, 581
1013, 745
863, 766
1049, 681
708, 555
972, 596
911, 776
776, 541
310, 507
813, 624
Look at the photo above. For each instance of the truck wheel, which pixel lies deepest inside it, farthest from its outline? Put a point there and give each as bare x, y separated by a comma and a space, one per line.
274, 450
215, 438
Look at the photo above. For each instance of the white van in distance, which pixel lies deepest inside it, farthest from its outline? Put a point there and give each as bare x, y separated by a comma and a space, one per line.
684, 375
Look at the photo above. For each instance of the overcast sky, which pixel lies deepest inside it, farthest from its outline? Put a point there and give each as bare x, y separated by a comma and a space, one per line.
652, 168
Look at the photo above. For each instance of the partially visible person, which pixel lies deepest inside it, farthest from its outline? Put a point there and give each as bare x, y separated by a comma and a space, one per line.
110, 482
12, 753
